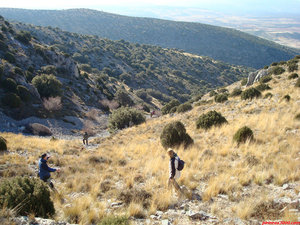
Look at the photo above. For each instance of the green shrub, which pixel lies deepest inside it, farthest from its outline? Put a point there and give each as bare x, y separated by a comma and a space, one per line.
18, 70
297, 117
277, 70
287, 98
184, 107
47, 85
212, 93
263, 87
244, 81
221, 98
168, 107
174, 134
10, 57
24, 93
293, 76
3, 46
114, 220
10, 85
1, 71
212, 118
222, 90
123, 98
29, 76
265, 79
274, 64
250, 93
49, 69
297, 83
124, 117
3, 146
236, 92
243, 134
29, 195
24, 37
292, 67
268, 95
12, 100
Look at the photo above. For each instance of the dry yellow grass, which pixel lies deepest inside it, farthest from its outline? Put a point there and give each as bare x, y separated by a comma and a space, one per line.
134, 159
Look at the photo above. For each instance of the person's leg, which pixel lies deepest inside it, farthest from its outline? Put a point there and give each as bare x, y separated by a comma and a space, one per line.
176, 186
83, 141
87, 142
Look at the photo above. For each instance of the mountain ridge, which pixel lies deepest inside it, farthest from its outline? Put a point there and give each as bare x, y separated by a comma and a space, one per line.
223, 44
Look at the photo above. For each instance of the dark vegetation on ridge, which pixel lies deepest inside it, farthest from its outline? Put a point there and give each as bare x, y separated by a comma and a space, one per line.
220, 43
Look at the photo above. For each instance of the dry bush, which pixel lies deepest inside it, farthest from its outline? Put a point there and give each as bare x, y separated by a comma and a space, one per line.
88, 126
111, 105
52, 104
93, 114
135, 195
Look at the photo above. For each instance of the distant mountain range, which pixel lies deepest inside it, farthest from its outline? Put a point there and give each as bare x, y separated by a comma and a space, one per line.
224, 44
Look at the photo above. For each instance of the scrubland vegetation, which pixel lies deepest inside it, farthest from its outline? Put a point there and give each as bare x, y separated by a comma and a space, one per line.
131, 166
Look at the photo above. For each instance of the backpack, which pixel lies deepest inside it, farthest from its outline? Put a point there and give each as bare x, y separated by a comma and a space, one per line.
180, 164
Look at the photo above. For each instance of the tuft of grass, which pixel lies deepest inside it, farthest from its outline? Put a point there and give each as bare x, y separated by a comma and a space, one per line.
136, 210
114, 220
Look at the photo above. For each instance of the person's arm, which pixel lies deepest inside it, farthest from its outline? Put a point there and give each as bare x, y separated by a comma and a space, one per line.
46, 167
172, 168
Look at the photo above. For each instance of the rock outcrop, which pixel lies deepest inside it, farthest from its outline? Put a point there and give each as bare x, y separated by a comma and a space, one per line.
256, 76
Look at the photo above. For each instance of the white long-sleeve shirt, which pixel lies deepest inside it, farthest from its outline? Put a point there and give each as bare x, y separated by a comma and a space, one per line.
177, 172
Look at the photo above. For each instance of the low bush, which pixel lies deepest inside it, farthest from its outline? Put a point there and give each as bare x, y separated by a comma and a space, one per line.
277, 70
24, 93
47, 85
220, 98
212, 93
244, 81
11, 100
123, 98
24, 37
125, 117
10, 57
18, 70
263, 87
169, 106
293, 76
287, 98
222, 90
28, 195
236, 92
243, 134
268, 95
292, 67
1, 71
38, 129
297, 83
10, 85
250, 93
184, 107
212, 118
3, 46
297, 117
174, 134
265, 79
3, 146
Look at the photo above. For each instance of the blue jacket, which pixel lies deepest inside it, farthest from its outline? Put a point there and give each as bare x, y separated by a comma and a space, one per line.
44, 169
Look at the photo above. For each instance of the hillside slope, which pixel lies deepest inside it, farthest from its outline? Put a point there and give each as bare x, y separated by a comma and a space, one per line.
92, 69
223, 44
127, 172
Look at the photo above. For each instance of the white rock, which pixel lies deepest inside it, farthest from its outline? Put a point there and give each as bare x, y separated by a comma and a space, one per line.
159, 213
165, 222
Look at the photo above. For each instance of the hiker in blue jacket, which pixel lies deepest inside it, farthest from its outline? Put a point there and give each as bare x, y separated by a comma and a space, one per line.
45, 170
